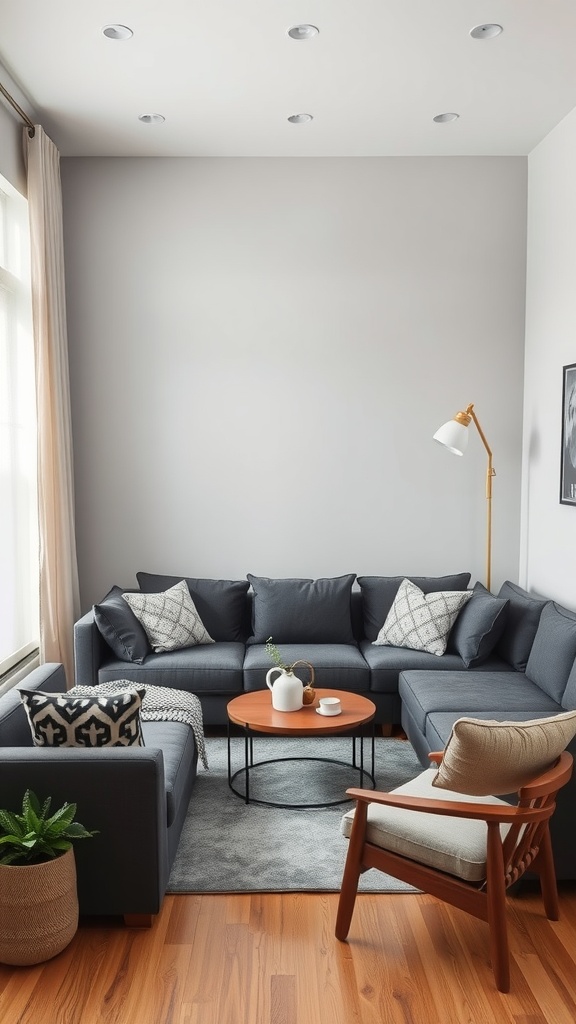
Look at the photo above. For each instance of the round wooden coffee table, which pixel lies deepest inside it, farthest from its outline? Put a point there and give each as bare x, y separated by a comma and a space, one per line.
254, 714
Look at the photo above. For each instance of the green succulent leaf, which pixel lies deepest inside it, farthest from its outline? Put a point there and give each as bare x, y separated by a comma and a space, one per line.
33, 837
77, 831
10, 822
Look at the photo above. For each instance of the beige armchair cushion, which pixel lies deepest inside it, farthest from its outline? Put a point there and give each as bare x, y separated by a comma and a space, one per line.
487, 757
454, 845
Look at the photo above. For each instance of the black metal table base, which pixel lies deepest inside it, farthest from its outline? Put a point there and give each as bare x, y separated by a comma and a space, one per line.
366, 778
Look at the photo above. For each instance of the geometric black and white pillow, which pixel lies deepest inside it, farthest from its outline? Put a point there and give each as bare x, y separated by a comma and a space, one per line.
421, 621
170, 618
57, 720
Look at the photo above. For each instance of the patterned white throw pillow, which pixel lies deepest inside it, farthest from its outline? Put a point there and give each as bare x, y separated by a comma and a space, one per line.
170, 618
93, 720
421, 621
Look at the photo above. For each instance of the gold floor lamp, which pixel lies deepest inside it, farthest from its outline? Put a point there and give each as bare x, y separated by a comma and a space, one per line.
453, 435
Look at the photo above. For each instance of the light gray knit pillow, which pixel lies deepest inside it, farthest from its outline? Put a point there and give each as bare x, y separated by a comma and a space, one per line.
170, 618
421, 621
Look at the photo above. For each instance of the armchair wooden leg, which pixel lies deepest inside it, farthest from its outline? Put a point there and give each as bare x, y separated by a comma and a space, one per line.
544, 865
138, 920
496, 899
352, 872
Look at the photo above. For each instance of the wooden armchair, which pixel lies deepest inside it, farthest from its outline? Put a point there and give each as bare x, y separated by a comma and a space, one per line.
464, 848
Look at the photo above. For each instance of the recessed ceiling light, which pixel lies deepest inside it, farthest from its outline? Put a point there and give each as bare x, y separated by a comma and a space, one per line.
303, 31
300, 118
486, 31
151, 118
444, 118
117, 32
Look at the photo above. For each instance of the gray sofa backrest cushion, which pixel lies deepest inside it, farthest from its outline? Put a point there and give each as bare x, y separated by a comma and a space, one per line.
569, 696
302, 610
553, 651
221, 604
378, 593
524, 612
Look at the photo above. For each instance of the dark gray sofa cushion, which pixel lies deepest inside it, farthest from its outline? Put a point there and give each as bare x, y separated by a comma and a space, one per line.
387, 662
176, 741
522, 620
122, 631
478, 627
302, 611
337, 666
220, 604
470, 691
378, 593
553, 651
208, 668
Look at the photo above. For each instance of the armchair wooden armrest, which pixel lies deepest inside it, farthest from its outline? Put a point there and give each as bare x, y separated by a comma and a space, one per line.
453, 808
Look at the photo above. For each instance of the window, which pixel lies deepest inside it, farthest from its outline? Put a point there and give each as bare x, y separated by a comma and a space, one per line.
19, 628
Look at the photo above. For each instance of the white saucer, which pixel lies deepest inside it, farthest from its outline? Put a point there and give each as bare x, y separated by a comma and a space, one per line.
328, 714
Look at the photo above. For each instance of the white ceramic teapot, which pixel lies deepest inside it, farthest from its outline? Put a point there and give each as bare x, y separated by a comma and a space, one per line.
286, 690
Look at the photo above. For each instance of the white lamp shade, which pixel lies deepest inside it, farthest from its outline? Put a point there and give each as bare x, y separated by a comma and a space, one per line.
454, 437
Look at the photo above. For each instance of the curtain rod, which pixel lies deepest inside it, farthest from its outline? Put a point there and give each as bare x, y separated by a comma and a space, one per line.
17, 108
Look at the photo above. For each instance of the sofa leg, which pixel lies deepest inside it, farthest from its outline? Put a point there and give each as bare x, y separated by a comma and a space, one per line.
386, 728
138, 920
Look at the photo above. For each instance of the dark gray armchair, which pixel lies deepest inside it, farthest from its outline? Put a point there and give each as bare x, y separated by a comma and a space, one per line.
135, 797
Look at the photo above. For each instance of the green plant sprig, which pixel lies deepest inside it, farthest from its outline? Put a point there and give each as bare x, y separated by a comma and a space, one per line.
33, 836
275, 656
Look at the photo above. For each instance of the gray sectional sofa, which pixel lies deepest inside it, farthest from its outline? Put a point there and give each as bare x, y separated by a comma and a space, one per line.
135, 797
330, 623
510, 656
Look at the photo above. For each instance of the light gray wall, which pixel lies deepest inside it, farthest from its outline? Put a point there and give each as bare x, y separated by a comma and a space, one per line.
261, 350
549, 528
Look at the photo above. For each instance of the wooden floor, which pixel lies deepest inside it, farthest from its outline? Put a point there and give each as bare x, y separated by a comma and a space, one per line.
273, 959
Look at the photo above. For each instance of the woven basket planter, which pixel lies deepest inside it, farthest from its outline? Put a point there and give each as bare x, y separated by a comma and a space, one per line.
38, 909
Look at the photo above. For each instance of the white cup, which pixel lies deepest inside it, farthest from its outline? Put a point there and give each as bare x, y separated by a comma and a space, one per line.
329, 706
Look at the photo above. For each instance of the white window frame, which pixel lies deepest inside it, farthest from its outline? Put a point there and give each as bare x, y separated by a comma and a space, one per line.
19, 563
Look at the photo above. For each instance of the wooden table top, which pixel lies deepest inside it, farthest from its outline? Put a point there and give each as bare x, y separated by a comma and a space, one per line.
254, 710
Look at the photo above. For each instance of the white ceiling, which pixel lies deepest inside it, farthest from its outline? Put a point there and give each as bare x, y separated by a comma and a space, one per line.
226, 75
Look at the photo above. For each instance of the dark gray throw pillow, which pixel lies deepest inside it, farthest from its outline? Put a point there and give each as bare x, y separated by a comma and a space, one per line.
120, 628
378, 593
478, 627
522, 620
553, 651
302, 611
221, 604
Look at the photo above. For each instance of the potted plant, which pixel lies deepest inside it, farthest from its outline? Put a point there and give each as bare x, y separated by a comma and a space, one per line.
38, 895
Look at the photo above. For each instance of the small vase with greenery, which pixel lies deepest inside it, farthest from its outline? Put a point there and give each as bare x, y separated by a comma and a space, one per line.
309, 693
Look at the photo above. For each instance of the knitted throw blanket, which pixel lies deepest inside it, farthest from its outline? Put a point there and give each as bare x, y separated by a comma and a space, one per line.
160, 704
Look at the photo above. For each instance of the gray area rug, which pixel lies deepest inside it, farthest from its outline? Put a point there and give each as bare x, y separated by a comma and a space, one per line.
229, 846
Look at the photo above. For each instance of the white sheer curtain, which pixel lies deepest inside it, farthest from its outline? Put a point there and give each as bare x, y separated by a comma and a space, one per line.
59, 591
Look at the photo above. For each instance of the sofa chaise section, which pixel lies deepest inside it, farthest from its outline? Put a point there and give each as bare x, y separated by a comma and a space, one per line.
135, 797
545, 644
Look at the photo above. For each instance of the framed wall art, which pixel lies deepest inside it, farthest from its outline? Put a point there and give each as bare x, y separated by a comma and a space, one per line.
568, 449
